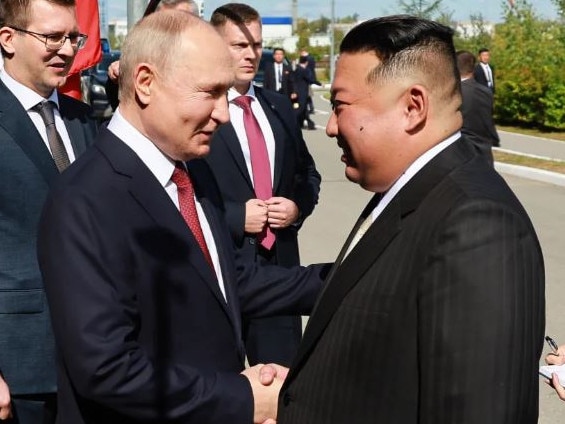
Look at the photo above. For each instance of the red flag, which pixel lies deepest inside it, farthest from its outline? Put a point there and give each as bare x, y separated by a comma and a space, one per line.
89, 24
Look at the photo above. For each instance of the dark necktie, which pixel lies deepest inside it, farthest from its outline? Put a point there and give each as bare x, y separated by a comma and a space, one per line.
259, 163
60, 156
187, 207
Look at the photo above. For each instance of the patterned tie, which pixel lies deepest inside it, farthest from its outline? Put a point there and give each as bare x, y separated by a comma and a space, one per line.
259, 163
187, 207
60, 156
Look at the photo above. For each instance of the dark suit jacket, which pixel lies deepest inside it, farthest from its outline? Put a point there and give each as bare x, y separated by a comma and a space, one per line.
295, 176
143, 332
26, 172
481, 78
437, 314
270, 79
478, 121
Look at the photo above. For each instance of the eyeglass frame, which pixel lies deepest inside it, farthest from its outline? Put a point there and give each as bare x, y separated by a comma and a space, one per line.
77, 46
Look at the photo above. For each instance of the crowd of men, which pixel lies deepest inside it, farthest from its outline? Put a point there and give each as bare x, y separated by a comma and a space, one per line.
142, 262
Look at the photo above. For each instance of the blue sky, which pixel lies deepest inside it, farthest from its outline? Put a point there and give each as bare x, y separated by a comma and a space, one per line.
312, 9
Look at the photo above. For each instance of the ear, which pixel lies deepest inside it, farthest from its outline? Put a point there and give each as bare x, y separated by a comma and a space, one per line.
417, 107
6, 39
144, 79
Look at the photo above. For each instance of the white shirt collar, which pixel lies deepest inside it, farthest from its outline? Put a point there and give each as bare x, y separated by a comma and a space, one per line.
412, 170
25, 95
233, 93
158, 163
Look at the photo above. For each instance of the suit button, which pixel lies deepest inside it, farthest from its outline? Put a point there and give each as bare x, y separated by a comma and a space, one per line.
251, 241
286, 399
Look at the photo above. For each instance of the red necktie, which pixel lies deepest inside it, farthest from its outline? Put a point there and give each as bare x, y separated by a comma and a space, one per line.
259, 163
187, 207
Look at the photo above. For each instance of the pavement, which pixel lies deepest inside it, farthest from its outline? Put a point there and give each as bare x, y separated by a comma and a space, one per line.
541, 193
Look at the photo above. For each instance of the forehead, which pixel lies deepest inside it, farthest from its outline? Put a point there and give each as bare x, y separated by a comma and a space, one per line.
45, 14
352, 70
249, 32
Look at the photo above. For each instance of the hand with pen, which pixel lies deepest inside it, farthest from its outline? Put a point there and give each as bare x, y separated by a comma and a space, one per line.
556, 357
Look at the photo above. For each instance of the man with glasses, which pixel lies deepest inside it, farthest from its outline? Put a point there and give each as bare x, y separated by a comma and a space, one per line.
41, 133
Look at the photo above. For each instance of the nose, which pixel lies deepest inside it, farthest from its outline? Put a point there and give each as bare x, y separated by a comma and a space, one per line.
331, 126
67, 48
221, 111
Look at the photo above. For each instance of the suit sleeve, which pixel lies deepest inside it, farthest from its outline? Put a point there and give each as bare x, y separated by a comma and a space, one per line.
486, 259
96, 327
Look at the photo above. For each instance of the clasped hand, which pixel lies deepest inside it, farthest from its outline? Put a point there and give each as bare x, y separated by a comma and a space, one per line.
266, 382
557, 359
277, 212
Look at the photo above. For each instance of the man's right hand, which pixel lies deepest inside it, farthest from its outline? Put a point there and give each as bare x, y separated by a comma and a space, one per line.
114, 71
266, 382
5, 403
256, 215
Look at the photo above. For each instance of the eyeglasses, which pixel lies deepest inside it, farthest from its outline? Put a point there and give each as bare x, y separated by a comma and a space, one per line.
55, 42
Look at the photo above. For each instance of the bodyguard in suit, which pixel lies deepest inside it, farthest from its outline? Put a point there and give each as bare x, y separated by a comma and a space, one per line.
476, 108
39, 41
484, 73
278, 75
145, 291
443, 271
268, 179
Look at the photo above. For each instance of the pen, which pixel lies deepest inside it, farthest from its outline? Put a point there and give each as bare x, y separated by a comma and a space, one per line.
553, 346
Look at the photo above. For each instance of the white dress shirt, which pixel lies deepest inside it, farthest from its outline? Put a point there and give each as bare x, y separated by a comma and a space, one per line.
162, 168
28, 99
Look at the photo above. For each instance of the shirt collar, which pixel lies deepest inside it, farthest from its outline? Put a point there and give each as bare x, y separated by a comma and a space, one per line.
25, 95
233, 93
158, 163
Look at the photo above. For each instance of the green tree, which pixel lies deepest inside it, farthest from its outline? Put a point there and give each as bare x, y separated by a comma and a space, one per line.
422, 8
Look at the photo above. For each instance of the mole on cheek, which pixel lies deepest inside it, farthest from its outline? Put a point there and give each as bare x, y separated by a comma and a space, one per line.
361, 128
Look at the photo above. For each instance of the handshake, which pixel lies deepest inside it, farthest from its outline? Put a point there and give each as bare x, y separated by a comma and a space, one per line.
266, 382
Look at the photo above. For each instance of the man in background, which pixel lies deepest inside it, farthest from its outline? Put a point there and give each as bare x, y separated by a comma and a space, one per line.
41, 133
311, 65
265, 173
443, 270
484, 73
189, 6
477, 108
278, 75
145, 291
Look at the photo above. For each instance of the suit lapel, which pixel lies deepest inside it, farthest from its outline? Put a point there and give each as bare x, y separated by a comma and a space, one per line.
152, 197
343, 277
75, 127
228, 136
16, 122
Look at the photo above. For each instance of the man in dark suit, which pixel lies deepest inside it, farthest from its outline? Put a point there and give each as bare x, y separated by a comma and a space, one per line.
312, 68
278, 75
477, 108
484, 73
31, 157
445, 272
303, 79
286, 171
145, 291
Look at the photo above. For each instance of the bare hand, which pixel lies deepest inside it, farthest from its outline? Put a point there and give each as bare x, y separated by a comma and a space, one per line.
266, 382
556, 358
556, 385
5, 402
256, 214
114, 71
282, 212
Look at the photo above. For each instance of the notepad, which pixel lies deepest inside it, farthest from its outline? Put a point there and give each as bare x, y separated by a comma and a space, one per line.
547, 370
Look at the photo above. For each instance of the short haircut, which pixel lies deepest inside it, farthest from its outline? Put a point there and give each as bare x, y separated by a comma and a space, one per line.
156, 40
169, 4
483, 50
465, 62
278, 49
408, 46
17, 12
238, 13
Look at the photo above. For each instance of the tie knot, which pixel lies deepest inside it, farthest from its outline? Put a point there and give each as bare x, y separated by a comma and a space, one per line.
46, 110
180, 177
243, 102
